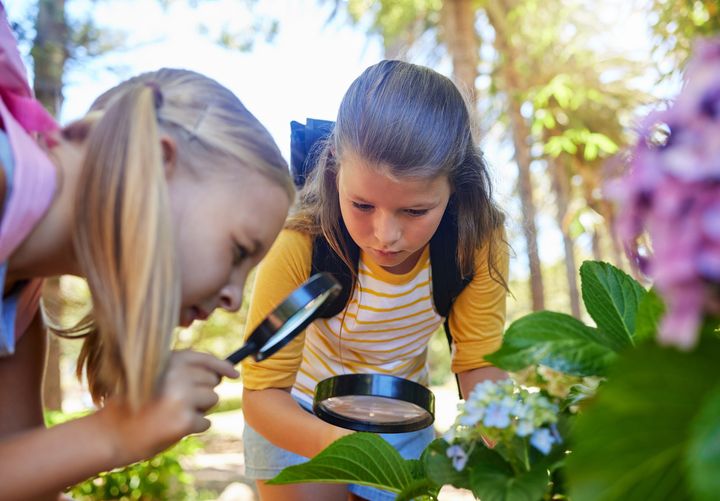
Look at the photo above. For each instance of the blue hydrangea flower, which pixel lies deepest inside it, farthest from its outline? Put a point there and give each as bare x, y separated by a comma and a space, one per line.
458, 456
497, 416
472, 415
524, 428
543, 440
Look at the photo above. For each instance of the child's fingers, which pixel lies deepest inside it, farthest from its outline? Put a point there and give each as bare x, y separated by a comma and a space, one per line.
210, 362
200, 424
204, 400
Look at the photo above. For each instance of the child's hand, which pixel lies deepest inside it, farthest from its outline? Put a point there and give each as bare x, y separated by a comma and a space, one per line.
186, 394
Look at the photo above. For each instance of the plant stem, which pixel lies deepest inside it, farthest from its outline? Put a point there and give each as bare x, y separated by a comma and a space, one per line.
526, 458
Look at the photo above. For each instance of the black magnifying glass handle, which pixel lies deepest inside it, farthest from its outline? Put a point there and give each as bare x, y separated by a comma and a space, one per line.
238, 355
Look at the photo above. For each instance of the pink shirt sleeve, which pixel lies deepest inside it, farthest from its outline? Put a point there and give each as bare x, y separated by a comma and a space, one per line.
33, 182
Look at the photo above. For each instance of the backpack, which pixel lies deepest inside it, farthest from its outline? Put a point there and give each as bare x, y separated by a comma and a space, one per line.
447, 279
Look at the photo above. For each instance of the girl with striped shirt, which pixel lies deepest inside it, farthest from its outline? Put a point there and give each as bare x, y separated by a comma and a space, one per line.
400, 163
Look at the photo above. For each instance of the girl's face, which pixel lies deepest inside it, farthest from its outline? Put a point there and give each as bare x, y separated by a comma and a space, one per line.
223, 227
390, 219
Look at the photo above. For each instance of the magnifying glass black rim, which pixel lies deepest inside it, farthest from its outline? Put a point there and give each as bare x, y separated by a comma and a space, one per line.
309, 291
374, 385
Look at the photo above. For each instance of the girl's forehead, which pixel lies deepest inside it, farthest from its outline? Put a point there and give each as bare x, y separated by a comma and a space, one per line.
356, 168
363, 180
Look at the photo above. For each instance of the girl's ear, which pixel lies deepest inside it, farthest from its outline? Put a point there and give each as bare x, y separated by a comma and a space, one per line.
169, 155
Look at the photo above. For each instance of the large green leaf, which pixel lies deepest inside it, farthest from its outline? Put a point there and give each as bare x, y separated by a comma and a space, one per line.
492, 479
650, 311
631, 443
611, 298
555, 340
360, 458
704, 449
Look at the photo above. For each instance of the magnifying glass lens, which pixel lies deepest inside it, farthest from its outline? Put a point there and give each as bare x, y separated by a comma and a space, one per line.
375, 410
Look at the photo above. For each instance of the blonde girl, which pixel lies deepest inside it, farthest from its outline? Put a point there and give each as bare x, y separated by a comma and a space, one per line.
163, 197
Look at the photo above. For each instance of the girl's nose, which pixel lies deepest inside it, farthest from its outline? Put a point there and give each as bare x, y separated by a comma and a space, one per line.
231, 297
387, 230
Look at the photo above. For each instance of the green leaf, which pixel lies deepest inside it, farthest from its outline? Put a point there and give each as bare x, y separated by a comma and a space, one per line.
704, 449
632, 442
555, 340
611, 298
420, 488
360, 458
439, 467
650, 311
591, 152
416, 468
492, 479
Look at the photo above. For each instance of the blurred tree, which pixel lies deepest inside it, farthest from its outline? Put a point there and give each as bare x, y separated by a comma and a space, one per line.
581, 105
511, 87
676, 24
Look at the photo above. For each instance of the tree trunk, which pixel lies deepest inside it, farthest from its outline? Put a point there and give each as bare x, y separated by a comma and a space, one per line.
497, 14
561, 186
596, 243
49, 54
457, 30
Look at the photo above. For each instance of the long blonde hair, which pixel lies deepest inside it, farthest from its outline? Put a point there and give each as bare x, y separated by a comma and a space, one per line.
123, 235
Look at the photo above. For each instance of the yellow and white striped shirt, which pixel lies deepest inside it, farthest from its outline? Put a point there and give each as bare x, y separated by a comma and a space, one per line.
385, 327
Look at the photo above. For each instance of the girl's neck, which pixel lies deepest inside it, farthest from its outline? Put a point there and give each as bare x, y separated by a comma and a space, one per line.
48, 249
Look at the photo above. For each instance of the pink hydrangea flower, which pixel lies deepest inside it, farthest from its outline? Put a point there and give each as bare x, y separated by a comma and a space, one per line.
672, 192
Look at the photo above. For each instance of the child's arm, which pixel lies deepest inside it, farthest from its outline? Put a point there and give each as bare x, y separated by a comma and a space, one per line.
275, 415
469, 379
37, 462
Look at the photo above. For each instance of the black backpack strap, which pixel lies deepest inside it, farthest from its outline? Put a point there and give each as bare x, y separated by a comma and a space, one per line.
325, 259
306, 142
447, 279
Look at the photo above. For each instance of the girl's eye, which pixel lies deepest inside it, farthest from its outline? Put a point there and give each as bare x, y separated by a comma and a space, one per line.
362, 207
416, 212
239, 254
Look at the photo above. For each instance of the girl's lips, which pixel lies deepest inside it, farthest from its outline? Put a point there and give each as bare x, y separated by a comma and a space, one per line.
199, 313
386, 253
193, 313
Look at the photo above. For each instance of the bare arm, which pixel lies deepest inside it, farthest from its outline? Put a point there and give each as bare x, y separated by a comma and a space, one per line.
36, 463
297, 430
469, 379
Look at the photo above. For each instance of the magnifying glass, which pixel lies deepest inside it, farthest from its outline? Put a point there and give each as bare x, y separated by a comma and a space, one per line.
377, 403
286, 321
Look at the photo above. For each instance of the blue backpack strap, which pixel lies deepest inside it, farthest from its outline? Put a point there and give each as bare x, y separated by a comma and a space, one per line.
306, 142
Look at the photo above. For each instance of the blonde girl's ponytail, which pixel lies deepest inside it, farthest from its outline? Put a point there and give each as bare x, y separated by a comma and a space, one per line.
125, 246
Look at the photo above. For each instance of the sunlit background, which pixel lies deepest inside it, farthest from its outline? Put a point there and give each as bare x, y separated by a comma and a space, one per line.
559, 86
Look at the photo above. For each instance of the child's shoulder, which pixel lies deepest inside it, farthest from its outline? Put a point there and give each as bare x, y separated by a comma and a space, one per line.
294, 238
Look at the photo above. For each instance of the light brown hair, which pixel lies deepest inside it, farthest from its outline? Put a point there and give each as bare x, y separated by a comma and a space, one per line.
413, 122
124, 232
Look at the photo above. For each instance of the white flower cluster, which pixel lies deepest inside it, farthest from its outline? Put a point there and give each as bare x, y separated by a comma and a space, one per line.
497, 411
